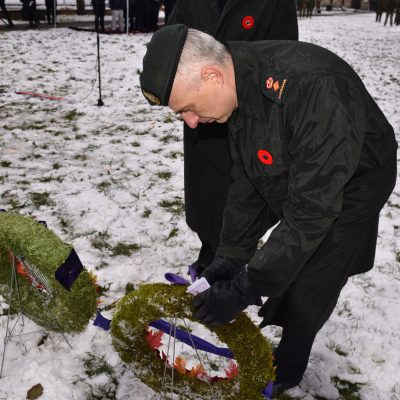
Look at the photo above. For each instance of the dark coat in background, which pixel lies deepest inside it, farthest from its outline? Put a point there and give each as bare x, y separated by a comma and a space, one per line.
206, 148
309, 142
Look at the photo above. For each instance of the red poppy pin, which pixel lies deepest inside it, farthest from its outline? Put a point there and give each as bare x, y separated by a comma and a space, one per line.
265, 157
269, 82
248, 22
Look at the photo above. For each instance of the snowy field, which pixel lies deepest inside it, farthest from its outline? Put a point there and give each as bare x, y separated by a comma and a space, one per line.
109, 180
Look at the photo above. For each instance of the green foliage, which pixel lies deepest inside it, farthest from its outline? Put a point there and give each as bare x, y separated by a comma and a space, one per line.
104, 186
68, 311
73, 115
40, 199
99, 242
6, 164
94, 367
174, 206
124, 249
348, 390
97, 365
168, 138
175, 154
130, 287
164, 175
169, 119
146, 213
173, 233
151, 302
336, 348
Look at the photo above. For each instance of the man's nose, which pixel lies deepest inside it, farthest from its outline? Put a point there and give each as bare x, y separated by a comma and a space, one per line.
191, 119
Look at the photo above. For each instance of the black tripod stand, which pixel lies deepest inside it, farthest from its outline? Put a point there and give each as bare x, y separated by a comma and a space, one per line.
99, 101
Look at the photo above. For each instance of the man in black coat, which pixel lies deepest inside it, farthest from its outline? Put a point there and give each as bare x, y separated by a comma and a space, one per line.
207, 161
309, 143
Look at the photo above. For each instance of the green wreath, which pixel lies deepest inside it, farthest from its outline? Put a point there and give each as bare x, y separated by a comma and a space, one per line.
155, 301
61, 310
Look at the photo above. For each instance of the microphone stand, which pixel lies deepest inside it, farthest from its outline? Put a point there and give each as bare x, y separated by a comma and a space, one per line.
99, 101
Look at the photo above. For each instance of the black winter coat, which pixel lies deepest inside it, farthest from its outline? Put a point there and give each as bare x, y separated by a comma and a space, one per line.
207, 155
309, 142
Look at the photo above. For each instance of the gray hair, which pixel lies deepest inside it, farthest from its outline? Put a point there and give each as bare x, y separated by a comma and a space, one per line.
200, 49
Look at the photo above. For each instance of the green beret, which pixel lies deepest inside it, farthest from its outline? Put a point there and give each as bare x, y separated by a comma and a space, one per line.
161, 62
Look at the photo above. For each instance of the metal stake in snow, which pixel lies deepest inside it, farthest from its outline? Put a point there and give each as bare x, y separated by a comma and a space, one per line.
99, 101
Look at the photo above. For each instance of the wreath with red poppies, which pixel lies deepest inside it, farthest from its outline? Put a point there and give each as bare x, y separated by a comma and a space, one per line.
140, 346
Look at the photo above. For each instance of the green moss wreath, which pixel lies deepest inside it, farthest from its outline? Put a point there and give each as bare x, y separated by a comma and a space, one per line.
154, 301
65, 311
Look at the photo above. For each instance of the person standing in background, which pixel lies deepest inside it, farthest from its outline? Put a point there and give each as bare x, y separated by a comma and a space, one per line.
117, 8
50, 11
397, 17
379, 8
29, 12
389, 9
3, 8
99, 8
207, 159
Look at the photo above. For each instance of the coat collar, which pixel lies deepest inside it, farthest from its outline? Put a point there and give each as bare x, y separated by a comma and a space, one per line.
262, 74
250, 99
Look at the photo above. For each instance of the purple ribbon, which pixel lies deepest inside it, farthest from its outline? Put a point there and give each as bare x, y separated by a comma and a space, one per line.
192, 272
2, 210
102, 322
176, 279
68, 272
268, 390
191, 340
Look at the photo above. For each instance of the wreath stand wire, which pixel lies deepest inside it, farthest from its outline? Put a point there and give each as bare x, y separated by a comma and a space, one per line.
21, 314
165, 386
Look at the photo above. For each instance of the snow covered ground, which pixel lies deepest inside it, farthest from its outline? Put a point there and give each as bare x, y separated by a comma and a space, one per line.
112, 175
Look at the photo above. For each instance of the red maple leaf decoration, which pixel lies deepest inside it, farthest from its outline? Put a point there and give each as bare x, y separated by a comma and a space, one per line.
232, 370
197, 371
180, 365
154, 339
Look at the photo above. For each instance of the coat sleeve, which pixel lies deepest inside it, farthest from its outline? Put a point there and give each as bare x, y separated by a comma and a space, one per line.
244, 215
327, 139
284, 24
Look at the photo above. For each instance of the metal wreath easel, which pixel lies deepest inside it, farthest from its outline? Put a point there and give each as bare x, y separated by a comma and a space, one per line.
168, 389
11, 326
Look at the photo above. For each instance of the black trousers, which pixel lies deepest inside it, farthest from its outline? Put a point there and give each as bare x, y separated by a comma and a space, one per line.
99, 9
207, 165
50, 11
348, 249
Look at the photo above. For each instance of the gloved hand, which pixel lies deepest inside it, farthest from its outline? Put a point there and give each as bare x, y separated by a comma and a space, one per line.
224, 300
223, 268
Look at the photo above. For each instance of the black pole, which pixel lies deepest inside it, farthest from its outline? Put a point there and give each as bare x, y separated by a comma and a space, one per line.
99, 101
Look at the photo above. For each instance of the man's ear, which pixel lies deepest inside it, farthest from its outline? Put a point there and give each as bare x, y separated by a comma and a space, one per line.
213, 75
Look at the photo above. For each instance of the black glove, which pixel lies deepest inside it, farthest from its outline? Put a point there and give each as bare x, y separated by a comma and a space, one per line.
223, 268
225, 299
